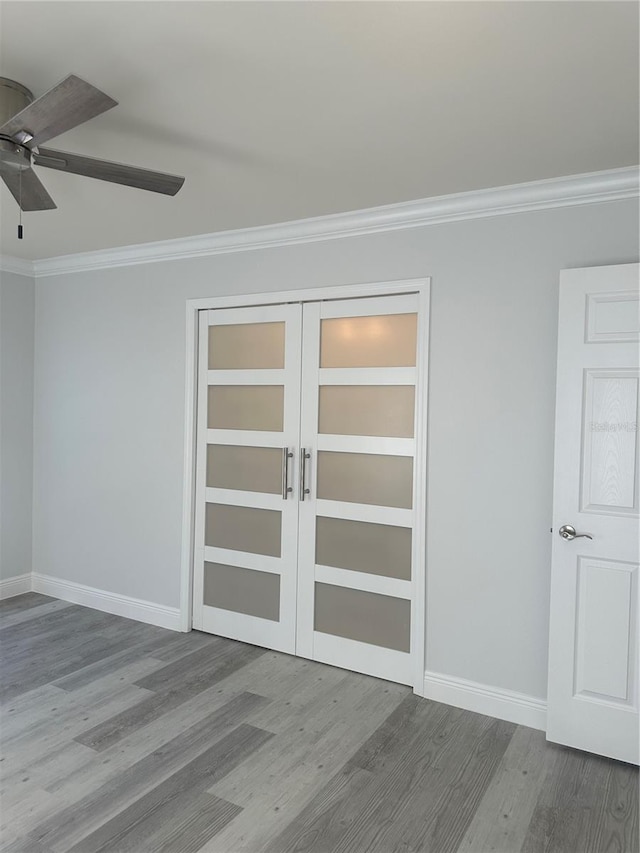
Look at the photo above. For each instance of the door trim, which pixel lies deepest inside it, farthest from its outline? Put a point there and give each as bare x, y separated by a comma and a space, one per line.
419, 286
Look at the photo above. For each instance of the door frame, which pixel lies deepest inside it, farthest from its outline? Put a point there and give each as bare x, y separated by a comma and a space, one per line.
419, 286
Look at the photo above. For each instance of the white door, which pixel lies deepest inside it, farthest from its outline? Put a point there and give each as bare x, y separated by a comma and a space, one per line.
360, 552
311, 479
593, 650
246, 520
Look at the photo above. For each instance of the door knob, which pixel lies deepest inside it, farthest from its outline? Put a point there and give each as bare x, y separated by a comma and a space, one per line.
569, 532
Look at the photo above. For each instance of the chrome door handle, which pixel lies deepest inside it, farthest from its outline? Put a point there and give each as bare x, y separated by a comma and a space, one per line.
569, 532
286, 488
304, 455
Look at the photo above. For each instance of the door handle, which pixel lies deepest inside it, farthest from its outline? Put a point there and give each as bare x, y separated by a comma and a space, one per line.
568, 532
304, 455
286, 488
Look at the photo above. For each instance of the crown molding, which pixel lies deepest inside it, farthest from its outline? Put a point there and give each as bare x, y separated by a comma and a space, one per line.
19, 266
592, 188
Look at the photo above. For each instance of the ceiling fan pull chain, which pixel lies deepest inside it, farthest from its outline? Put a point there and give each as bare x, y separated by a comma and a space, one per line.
20, 206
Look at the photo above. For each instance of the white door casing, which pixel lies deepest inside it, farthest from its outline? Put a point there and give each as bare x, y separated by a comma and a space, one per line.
593, 646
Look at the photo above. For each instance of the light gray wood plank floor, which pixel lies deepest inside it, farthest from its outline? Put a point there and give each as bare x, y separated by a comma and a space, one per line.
119, 737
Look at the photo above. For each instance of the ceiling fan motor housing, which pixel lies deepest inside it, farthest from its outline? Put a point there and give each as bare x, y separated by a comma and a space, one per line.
13, 98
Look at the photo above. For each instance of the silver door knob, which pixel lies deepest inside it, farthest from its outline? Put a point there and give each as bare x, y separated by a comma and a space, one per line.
569, 532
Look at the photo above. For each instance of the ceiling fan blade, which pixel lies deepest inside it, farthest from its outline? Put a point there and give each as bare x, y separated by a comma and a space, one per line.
103, 170
70, 103
31, 193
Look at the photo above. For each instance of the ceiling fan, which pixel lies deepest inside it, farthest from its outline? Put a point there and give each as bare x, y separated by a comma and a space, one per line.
25, 124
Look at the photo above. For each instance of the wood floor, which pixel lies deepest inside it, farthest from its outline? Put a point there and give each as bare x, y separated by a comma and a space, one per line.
118, 736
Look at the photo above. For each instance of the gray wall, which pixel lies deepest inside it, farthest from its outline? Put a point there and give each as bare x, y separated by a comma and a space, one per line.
109, 390
17, 297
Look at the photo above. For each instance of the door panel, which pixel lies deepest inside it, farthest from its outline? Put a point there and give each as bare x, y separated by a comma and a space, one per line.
610, 458
604, 647
239, 528
378, 549
368, 617
254, 407
379, 340
365, 478
248, 469
247, 346
376, 410
245, 591
248, 436
593, 647
356, 550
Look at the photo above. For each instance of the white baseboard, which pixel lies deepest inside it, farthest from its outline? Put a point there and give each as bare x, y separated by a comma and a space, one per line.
496, 702
108, 602
493, 701
15, 586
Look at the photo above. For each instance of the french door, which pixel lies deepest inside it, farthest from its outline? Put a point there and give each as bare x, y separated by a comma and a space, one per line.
306, 489
246, 522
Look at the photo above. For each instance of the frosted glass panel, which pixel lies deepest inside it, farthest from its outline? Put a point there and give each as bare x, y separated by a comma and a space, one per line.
378, 549
246, 346
387, 340
363, 616
250, 469
241, 528
365, 478
256, 407
242, 590
386, 410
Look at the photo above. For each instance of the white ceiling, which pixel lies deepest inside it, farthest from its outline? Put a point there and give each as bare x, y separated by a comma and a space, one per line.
282, 110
